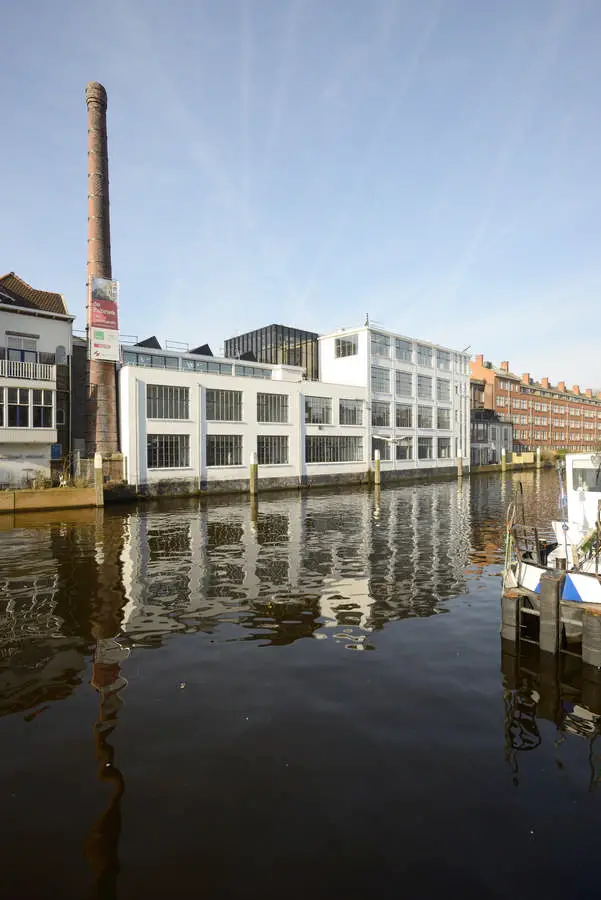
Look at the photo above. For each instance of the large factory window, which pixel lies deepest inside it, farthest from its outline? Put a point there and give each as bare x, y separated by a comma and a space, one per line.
224, 450
167, 402
224, 406
168, 451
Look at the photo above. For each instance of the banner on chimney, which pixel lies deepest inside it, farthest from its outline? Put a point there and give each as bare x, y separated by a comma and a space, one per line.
104, 344
104, 304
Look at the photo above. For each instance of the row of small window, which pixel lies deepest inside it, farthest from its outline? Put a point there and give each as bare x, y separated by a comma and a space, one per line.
380, 383
155, 361
546, 407
381, 345
166, 402
26, 408
544, 435
404, 418
172, 451
427, 448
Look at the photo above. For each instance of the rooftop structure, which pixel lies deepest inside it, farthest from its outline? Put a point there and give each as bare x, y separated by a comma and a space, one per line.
278, 344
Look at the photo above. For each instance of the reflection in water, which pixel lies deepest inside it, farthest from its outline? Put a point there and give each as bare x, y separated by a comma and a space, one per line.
296, 568
77, 596
102, 842
539, 687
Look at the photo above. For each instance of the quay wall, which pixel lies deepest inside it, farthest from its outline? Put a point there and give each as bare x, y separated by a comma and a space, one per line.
195, 487
511, 467
49, 498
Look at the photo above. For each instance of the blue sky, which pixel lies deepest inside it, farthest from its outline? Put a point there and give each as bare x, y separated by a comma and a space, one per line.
432, 162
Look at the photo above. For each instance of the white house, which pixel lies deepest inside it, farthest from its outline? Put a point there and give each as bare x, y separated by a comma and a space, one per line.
417, 395
197, 419
35, 350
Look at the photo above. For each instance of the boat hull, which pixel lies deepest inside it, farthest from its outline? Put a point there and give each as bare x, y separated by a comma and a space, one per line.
580, 587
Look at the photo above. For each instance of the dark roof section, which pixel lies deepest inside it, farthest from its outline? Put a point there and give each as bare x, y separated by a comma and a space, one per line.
151, 342
15, 291
203, 350
249, 356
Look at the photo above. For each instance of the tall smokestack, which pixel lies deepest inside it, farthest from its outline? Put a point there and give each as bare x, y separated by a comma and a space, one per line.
102, 434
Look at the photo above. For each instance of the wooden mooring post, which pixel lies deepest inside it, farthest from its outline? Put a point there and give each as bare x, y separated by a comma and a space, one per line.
253, 474
377, 468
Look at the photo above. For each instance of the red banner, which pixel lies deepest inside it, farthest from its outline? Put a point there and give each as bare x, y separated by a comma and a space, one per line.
104, 304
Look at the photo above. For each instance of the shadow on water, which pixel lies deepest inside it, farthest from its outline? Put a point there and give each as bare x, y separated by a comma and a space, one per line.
210, 642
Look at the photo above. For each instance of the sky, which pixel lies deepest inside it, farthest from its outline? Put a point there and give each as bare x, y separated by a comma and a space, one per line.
431, 163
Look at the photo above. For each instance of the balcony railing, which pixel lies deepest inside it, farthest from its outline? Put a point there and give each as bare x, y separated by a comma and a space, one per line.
28, 371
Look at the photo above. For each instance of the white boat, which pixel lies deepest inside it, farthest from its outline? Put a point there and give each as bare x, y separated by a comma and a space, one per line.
575, 543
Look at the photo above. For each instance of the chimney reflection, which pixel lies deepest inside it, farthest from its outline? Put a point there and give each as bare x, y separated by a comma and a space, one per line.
101, 844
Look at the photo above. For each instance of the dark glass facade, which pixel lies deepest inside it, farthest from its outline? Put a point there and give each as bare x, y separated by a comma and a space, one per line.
278, 344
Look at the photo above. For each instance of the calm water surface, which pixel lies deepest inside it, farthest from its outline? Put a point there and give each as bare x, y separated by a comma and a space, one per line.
309, 702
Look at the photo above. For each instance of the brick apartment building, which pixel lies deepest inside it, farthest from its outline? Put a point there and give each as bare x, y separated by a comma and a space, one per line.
542, 414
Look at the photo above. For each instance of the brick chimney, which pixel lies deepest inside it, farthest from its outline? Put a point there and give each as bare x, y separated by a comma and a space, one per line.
545, 382
589, 392
561, 385
480, 359
505, 366
102, 394
576, 388
526, 377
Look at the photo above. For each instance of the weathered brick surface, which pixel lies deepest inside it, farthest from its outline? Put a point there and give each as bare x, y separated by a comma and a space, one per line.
102, 434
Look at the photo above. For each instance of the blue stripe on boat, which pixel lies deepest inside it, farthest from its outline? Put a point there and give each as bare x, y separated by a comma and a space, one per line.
569, 591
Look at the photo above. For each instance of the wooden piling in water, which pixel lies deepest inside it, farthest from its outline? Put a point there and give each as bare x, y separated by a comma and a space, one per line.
253, 474
377, 468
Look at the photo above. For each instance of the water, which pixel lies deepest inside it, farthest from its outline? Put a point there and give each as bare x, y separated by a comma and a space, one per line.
312, 704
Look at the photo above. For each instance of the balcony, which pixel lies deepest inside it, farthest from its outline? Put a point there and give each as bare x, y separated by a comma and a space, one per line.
28, 371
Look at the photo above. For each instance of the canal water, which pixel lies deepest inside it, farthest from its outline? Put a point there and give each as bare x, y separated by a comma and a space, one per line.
308, 700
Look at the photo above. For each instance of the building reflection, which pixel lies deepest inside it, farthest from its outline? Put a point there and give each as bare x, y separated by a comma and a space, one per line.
286, 569
42, 645
559, 689
61, 608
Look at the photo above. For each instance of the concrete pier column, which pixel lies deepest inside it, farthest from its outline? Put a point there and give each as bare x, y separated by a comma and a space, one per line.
551, 586
377, 468
253, 474
510, 618
591, 639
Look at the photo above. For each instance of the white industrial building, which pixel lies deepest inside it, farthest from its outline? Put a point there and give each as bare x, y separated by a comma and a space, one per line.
194, 418
417, 395
35, 343
199, 418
